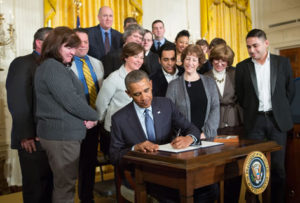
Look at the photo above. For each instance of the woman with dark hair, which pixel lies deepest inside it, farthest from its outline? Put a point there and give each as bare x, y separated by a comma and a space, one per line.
62, 111
181, 42
221, 57
112, 95
196, 97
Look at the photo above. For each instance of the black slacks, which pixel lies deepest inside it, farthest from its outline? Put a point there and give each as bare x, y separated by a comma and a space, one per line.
37, 179
265, 128
87, 164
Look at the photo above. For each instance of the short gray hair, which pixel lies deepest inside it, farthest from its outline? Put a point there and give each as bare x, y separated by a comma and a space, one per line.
131, 29
134, 77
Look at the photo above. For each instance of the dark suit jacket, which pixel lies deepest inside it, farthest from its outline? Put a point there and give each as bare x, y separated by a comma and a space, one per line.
154, 50
97, 47
296, 101
207, 66
126, 130
112, 61
159, 82
20, 98
151, 62
282, 91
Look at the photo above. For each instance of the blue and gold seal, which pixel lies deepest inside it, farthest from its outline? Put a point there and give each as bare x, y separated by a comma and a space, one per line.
256, 172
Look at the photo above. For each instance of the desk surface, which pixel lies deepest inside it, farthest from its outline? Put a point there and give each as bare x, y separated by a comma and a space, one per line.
203, 157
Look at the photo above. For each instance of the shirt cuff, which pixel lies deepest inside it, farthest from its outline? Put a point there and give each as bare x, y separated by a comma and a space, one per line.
194, 138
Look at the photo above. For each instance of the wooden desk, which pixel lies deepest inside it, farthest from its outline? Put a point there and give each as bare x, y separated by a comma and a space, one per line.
193, 169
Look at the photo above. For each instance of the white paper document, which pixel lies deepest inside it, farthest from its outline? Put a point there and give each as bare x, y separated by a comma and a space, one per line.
168, 147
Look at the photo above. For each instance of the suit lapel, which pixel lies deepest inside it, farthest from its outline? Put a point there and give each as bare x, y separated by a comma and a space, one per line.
157, 118
273, 76
99, 40
253, 76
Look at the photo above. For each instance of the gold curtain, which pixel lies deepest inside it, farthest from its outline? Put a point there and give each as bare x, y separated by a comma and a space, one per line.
63, 12
228, 19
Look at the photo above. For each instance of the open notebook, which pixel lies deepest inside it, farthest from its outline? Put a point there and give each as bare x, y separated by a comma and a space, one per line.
168, 147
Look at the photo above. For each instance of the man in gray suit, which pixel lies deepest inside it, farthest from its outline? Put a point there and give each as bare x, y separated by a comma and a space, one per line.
88, 152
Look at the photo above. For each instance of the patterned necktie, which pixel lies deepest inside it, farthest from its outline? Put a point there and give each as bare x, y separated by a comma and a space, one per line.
158, 46
149, 126
90, 83
107, 44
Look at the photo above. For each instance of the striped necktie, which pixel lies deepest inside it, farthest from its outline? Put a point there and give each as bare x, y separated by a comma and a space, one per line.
90, 83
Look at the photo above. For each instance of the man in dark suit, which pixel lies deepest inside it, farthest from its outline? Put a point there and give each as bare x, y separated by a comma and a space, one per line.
265, 89
131, 130
168, 71
36, 173
151, 59
158, 29
103, 38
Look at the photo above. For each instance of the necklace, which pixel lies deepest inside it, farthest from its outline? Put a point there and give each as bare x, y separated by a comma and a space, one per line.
219, 81
189, 84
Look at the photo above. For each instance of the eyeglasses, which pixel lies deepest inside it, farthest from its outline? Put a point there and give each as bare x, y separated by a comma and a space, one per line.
220, 61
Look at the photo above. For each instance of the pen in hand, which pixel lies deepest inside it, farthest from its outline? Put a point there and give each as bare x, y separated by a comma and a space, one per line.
178, 132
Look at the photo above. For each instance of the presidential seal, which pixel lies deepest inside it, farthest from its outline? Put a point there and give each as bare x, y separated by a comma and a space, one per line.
256, 172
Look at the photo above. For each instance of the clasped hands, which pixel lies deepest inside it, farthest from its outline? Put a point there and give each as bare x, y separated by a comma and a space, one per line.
90, 124
179, 142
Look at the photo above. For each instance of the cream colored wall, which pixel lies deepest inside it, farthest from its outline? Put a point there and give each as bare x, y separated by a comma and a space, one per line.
268, 12
176, 15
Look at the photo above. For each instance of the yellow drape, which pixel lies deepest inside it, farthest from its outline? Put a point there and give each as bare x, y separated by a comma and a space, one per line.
63, 12
228, 19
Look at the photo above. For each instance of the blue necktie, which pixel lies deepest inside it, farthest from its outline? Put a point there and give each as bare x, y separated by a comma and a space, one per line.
149, 126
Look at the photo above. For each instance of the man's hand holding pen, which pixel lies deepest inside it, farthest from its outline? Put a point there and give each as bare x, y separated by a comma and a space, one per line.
181, 141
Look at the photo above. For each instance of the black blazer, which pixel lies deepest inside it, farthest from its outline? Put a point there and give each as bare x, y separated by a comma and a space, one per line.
97, 47
159, 82
154, 50
282, 91
207, 66
112, 61
126, 130
151, 63
20, 98
296, 101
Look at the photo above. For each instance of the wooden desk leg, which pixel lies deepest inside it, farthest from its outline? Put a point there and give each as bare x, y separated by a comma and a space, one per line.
187, 192
266, 196
140, 188
184, 198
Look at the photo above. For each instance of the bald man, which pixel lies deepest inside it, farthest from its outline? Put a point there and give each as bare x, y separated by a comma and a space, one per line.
103, 39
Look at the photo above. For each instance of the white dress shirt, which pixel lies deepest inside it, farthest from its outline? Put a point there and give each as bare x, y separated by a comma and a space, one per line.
263, 75
170, 77
141, 115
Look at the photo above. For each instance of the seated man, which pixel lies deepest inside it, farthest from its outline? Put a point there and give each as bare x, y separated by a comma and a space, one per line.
146, 122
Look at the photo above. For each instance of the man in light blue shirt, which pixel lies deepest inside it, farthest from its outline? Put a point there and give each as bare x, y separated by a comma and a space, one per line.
158, 30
